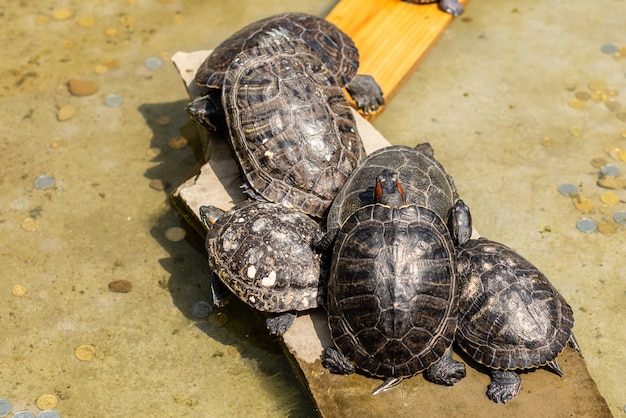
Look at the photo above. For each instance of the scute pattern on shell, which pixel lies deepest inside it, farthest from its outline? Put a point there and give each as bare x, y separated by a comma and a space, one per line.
291, 127
263, 253
423, 178
333, 47
510, 316
392, 292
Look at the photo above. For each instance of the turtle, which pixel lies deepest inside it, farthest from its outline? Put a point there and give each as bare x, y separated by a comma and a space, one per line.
334, 48
453, 7
291, 128
424, 180
392, 294
262, 252
510, 316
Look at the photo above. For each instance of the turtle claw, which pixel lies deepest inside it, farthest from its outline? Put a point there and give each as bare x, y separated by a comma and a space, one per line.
278, 324
446, 371
336, 363
366, 92
505, 385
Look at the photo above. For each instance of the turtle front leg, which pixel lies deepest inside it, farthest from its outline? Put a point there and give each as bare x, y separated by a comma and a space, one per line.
336, 363
446, 371
278, 324
366, 92
505, 385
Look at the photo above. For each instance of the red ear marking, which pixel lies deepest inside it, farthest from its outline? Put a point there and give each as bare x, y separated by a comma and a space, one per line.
400, 190
378, 192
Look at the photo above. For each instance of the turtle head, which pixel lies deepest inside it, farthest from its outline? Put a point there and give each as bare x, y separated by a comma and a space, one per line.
388, 189
209, 215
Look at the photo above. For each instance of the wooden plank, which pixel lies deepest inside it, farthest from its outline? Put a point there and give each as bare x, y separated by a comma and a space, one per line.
393, 37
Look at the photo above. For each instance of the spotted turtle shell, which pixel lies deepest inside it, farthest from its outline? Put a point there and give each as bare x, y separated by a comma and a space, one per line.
392, 290
291, 128
333, 47
510, 316
263, 253
424, 180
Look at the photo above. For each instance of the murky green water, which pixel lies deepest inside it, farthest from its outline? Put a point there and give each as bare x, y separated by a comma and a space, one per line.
492, 98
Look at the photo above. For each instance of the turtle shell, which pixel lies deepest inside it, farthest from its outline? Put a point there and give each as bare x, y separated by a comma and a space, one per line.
263, 253
333, 47
392, 290
291, 128
424, 180
510, 316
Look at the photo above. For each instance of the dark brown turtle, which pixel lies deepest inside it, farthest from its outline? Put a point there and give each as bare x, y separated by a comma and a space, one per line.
392, 294
334, 48
453, 7
291, 127
262, 252
424, 179
510, 317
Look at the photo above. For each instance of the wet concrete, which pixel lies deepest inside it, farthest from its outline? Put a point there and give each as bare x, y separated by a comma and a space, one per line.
489, 94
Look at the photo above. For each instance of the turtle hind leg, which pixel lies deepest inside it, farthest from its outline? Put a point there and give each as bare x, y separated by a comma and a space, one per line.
366, 92
278, 324
336, 363
388, 384
504, 386
445, 371
219, 291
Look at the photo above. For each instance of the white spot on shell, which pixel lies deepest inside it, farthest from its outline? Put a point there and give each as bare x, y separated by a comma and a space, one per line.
251, 272
252, 299
269, 280
269, 154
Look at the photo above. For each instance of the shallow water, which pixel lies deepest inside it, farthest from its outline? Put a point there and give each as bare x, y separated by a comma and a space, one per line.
492, 98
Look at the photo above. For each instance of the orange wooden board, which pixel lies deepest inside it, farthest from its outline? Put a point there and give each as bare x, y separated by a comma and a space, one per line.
393, 36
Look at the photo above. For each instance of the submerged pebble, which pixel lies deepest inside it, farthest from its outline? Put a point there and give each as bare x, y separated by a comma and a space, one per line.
175, 234
19, 290
44, 181
5, 407
153, 63
217, 320
47, 401
201, 309
620, 217
62, 14
610, 170
120, 286
30, 224
177, 142
113, 100
66, 112
24, 414
567, 189
583, 204
586, 225
49, 413
85, 352
158, 184
82, 87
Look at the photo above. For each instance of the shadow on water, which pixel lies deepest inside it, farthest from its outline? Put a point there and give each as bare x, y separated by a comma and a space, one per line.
189, 273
